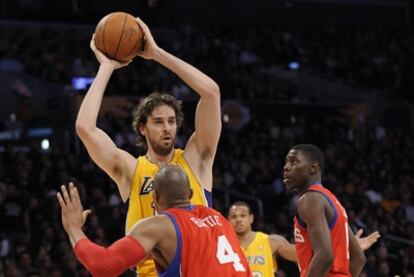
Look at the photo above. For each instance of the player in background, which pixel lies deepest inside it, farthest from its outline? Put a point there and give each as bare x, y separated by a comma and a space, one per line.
325, 244
156, 121
261, 249
184, 239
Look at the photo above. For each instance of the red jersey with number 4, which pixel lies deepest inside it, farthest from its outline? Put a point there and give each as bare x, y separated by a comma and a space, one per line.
338, 227
206, 245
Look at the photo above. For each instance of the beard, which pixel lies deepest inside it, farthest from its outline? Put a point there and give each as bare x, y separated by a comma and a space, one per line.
160, 148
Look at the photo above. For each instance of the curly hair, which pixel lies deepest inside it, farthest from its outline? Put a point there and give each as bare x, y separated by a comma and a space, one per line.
147, 105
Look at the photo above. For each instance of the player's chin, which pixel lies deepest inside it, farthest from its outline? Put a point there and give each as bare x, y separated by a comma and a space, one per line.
168, 144
239, 229
168, 148
288, 183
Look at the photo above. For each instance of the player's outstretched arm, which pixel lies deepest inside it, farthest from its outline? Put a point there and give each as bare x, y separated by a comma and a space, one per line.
311, 209
366, 242
118, 257
118, 164
203, 143
357, 258
124, 253
280, 246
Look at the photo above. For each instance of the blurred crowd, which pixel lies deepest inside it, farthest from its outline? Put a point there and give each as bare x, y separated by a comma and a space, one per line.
369, 161
375, 58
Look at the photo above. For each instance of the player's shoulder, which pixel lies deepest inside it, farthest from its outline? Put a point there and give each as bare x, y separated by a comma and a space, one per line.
311, 199
141, 161
204, 211
319, 192
208, 210
156, 223
158, 219
310, 195
260, 234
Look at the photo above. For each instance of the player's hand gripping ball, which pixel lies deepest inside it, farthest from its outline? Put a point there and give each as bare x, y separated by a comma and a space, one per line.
119, 36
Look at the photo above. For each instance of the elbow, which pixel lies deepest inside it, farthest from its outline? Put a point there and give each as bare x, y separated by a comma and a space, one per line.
93, 269
214, 90
82, 129
94, 266
98, 269
359, 258
327, 259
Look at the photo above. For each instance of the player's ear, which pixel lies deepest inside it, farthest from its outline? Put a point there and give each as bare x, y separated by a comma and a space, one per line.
142, 130
314, 168
251, 218
156, 197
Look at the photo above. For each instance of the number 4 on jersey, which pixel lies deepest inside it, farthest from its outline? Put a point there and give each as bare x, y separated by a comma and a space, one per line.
225, 254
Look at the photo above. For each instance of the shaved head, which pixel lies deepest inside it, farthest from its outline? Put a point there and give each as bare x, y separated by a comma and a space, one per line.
172, 185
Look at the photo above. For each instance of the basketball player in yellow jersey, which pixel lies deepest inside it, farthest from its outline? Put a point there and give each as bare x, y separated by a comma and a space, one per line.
261, 249
156, 121
258, 247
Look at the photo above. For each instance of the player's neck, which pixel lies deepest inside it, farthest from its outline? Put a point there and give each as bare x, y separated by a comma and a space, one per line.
176, 204
246, 238
311, 182
179, 204
159, 160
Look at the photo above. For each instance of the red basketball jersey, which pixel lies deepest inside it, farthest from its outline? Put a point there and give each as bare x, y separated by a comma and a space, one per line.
338, 227
206, 245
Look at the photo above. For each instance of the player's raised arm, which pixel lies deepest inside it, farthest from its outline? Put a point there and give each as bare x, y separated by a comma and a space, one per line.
126, 252
118, 164
312, 210
122, 254
203, 143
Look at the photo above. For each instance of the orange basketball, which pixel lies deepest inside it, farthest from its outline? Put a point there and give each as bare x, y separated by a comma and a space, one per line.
119, 36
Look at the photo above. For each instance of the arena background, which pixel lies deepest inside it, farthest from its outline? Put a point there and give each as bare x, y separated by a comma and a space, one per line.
336, 73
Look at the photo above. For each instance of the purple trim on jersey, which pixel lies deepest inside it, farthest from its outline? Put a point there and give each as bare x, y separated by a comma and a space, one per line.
332, 222
189, 207
316, 184
173, 270
209, 197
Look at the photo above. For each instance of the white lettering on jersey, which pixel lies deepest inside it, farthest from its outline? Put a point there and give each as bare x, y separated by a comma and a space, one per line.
298, 236
209, 221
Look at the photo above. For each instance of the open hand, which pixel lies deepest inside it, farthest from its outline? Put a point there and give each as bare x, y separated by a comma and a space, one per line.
73, 215
366, 242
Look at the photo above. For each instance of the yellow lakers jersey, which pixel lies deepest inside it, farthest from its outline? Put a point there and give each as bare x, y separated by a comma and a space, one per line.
259, 256
141, 197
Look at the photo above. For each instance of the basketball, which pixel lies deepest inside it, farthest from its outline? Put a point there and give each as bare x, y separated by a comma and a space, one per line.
119, 36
